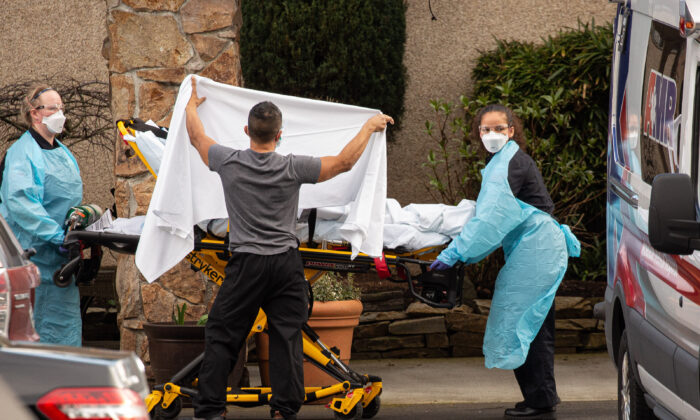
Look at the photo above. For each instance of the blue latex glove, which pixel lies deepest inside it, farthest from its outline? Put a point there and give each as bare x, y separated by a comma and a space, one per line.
439, 265
62, 250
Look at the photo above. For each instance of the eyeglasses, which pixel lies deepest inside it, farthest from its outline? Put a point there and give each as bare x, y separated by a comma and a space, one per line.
52, 108
498, 128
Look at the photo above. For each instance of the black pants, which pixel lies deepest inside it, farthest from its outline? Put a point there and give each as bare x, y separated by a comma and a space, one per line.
276, 284
536, 375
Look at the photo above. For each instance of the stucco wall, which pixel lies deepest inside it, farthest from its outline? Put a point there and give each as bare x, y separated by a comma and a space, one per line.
439, 55
62, 39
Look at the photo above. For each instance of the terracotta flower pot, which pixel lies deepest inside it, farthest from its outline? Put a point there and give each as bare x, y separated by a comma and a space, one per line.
334, 322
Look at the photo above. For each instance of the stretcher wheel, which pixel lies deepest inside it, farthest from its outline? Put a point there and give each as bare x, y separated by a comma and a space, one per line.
171, 412
61, 281
354, 414
372, 408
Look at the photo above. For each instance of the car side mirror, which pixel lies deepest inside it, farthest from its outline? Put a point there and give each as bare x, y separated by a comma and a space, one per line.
673, 227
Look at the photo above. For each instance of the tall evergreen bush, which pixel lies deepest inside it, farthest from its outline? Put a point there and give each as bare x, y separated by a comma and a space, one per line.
559, 88
349, 51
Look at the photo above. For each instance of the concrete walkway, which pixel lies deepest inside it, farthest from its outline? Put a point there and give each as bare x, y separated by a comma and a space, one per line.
443, 386
580, 377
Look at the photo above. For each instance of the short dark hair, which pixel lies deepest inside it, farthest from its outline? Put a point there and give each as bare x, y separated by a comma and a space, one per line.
264, 121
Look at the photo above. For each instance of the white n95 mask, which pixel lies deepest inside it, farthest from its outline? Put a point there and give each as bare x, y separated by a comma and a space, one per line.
55, 121
493, 142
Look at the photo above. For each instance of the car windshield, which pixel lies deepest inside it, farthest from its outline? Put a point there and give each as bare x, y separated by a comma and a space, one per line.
10, 249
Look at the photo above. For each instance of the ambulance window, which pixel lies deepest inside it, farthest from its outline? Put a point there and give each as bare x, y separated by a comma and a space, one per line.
661, 101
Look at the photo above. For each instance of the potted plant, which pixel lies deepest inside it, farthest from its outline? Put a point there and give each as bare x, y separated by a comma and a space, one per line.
172, 345
336, 312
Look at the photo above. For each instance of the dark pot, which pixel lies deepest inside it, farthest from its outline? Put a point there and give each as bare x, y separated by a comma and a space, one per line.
172, 347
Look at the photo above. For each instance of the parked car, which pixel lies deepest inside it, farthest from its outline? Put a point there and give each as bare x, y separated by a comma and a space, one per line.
18, 279
652, 300
56, 382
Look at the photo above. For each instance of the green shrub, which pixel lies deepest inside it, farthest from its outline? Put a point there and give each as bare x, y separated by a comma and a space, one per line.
559, 88
332, 286
349, 51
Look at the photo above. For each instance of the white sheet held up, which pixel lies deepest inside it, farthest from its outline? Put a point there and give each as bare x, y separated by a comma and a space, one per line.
187, 192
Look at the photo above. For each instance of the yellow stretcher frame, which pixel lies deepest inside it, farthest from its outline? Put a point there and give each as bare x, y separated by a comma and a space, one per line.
124, 130
354, 397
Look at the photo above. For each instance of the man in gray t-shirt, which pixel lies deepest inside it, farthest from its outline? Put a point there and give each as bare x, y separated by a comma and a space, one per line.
265, 270
262, 209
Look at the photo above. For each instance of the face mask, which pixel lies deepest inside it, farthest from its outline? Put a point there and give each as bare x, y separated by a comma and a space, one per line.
55, 121
493, 142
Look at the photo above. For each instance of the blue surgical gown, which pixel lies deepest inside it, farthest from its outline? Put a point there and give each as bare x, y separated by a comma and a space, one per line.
536, 250
38, 187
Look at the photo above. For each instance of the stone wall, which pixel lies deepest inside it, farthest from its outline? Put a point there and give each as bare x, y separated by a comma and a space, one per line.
151, 46
387, 330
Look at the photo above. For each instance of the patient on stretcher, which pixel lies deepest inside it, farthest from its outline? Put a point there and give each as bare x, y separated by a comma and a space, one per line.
409, 228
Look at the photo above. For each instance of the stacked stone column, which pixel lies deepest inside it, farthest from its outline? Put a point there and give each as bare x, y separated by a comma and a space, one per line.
152, 45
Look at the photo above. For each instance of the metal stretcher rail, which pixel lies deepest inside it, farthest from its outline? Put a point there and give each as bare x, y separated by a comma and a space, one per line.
440, 289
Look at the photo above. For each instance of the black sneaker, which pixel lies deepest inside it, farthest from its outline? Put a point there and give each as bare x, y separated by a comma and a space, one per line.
525, 412
522, 404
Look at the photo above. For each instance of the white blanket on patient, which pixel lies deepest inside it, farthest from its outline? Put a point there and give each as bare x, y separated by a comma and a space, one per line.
187, 192
412, 227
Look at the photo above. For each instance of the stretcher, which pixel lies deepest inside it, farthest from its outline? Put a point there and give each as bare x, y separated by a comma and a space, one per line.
354, 395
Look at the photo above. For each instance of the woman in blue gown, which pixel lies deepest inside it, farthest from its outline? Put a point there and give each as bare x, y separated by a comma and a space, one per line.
514, 211
40, 182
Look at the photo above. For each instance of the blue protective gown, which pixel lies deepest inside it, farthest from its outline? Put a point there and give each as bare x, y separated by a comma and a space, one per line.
38, 187
536, 250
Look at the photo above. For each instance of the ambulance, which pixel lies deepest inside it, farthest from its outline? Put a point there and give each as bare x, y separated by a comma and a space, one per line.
652, 299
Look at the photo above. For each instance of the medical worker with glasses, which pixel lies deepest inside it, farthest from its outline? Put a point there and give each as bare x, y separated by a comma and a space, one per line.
40, 182
514, 211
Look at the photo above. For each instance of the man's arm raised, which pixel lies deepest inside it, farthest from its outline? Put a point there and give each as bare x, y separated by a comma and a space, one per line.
195, 129
346, 159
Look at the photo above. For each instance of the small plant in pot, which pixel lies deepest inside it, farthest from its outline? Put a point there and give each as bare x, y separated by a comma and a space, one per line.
331, 287
179, 316
336, 312
172, 345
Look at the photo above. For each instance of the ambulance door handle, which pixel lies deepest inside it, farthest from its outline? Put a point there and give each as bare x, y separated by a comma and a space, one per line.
624, 193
